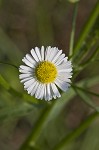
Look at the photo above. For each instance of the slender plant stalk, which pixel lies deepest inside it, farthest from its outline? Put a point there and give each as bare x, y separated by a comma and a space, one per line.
42, 121
85, 64
73, 29
84, 95
30, 142
91, 59
87, 91
89, 24
4, 63
76, 132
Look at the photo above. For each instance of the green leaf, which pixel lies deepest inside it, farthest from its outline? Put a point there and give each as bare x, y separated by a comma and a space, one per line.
15, 111
73, 1
76, 132
51, 112
92, 136
10, 49
4, 83
90, 59
44, 25
87, 28
4, 63
86, 98
85, 90
91, 43
73, 29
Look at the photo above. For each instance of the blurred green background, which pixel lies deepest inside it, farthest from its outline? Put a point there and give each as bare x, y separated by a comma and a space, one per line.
25, 24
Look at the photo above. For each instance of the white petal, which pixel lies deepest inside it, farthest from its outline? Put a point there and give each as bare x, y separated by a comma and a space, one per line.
66, 65
45, 96
48, 52
65, 70
65, 75
57, 56
30, 88
42, 53
66, 59
53, 53
26, 68
38, 53
35, 88
64, 79
38, 91
55, 91
26, 79
60, 60
24, 71
29, 83
30, 58
41, 95
34, 55
62, 84
22, 76
27, 62
48, 92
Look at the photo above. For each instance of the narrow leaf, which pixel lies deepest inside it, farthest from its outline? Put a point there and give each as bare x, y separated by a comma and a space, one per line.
76, 132
87, 28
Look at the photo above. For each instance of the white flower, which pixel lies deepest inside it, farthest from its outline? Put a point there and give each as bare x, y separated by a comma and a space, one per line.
45, 72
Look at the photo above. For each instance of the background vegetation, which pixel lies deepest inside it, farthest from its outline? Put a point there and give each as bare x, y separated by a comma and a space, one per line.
72, 122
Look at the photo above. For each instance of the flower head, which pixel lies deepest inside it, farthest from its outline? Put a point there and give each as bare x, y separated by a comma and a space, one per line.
45, 72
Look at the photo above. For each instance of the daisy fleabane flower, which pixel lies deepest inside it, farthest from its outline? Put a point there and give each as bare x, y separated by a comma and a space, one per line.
45, 72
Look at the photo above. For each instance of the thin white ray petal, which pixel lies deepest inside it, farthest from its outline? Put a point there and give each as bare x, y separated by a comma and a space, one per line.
62, 84
45, 95
26, 68
66, 65
34, 55
22, 76
66, 59
37, 50
57, 56
27, 62
48, 52
26, 79
42, 53
30, 58
35, 88
60, 60
53, 53
41, 95
65, 70
48, 91
29, 83
24, 71
63, 78
38, 91
55, 91
30, 88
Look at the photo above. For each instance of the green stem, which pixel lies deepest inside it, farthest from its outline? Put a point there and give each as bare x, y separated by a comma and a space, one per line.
76, 132
50, 113
73, 29
85, 64
9, 64
31, 141
82, 89
89, 24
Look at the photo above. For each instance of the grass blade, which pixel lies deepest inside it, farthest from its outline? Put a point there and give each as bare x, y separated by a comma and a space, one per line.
87, 28
86, 98
51, 112
76, 132
73, 29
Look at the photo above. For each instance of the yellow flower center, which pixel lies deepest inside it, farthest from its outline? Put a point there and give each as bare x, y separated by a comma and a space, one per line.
46, 72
